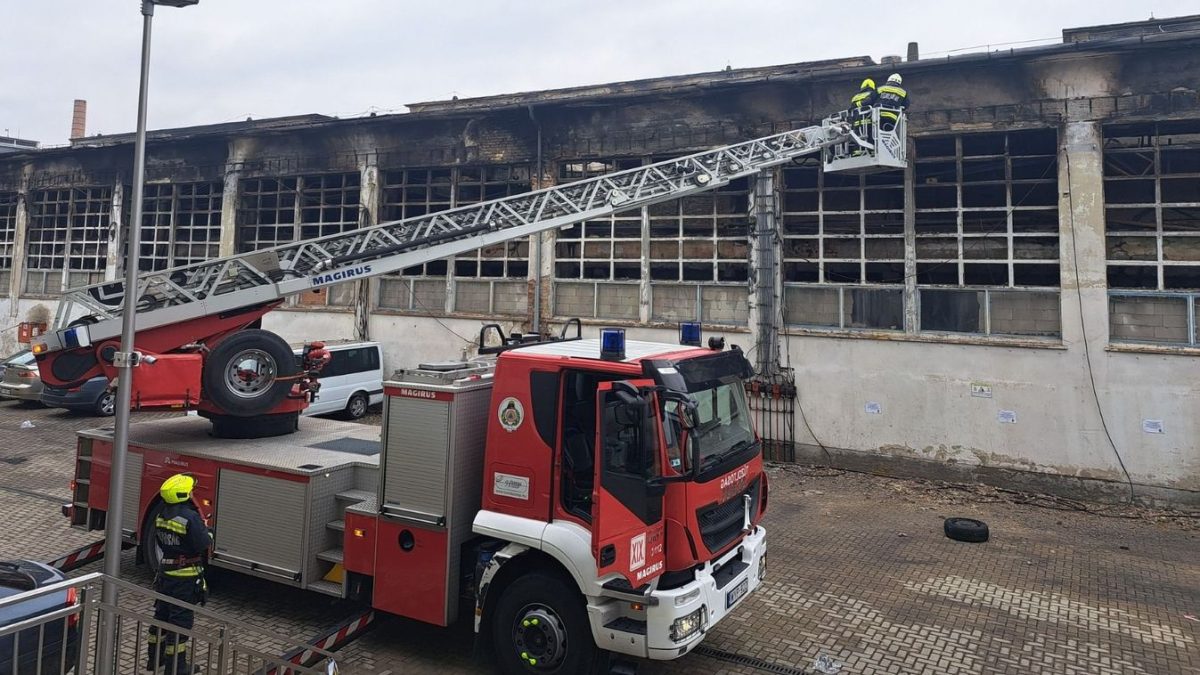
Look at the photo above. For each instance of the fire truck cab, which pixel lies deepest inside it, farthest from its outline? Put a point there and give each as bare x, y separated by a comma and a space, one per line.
576, 495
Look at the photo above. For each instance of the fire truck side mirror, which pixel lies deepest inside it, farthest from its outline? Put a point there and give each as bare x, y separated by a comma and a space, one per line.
688, 417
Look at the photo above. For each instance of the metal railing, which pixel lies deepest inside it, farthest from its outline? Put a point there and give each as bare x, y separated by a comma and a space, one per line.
63, 639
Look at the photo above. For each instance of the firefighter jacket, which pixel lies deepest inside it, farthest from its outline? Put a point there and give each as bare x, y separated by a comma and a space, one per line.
893, 97
184, 539
865, 98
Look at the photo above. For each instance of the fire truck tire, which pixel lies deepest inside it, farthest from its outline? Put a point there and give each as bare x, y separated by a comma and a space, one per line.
263, 426
541, 626
241, 374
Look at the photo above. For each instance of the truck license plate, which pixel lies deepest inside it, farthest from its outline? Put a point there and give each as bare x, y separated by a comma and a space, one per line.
737, 593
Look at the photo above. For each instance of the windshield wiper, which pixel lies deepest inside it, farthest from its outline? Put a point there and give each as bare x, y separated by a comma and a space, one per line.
733, 450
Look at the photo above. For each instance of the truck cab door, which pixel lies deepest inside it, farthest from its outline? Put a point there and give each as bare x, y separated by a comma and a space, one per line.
627, 500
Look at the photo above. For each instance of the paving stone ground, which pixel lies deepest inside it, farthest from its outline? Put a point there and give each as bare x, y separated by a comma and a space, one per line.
859, 573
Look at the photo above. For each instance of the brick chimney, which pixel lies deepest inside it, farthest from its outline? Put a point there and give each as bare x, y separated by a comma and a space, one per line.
79, 119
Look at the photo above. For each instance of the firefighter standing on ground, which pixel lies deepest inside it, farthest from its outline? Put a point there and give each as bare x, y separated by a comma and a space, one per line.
860, 111
184, 539
893, 99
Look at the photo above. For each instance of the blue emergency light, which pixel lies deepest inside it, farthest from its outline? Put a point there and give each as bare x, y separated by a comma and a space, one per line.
76, 337
612, 344
689, 333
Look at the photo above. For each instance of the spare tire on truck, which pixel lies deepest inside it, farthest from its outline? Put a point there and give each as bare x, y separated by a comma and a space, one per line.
242, 374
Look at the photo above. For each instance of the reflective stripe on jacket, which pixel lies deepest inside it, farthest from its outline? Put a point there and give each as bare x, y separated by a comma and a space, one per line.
891, 96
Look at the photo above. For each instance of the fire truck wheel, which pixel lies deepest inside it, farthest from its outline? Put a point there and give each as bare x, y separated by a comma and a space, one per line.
242, 373
541, 626
263, 426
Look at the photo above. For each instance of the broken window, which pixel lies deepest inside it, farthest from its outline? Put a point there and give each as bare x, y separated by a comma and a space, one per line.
843, 248
490, 280
9, 202
607, 249
67, 238
277, 211
986, 218
693, 254
181, 224
505, 260
409, 193
985, 231
1152, 228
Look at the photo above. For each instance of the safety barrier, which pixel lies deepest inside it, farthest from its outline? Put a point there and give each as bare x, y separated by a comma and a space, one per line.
62, 637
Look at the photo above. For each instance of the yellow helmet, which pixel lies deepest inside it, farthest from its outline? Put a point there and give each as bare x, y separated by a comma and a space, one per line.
177, 489
868, 83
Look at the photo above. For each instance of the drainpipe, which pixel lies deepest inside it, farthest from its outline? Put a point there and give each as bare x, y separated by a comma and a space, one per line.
537, 255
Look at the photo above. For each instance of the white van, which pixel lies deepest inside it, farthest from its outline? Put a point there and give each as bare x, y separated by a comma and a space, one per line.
351, 382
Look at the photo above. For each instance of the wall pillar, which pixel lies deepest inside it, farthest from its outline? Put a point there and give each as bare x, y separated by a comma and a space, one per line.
16, 281
765, 281
114, 261
911, 317
1084, 296
1081, 235
229, 199
543, 277
369, 202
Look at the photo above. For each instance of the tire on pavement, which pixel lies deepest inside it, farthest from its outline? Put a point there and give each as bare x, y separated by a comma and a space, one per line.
966, 529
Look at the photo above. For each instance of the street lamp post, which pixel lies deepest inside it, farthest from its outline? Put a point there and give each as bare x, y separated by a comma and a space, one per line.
126, 359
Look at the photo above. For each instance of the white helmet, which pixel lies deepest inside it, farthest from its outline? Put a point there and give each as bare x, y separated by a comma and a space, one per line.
895, 78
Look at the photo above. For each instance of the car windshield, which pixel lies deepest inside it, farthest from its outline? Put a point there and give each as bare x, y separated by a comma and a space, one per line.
21, 358
722, 424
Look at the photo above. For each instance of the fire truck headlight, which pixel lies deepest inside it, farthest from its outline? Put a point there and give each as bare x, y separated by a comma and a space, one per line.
687, 626
762, 568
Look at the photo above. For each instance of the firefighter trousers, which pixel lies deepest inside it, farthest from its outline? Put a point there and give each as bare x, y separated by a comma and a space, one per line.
167, 650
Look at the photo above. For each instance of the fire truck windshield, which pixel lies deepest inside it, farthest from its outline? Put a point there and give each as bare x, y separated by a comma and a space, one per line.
722, 426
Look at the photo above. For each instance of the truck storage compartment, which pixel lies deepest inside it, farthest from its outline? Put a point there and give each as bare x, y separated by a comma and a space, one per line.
260, 523
435, 421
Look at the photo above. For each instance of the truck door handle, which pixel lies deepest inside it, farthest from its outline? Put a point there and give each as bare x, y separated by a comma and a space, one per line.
608, 555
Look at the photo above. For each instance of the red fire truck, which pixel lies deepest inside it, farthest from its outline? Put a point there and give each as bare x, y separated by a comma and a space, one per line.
582, 495
577, 497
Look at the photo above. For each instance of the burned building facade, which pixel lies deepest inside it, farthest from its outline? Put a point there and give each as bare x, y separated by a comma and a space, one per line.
1019, 304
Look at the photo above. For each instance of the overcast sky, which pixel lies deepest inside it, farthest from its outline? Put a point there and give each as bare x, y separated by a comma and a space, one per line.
224, 60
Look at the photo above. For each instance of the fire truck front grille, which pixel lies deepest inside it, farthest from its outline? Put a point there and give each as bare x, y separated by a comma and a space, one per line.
721, 523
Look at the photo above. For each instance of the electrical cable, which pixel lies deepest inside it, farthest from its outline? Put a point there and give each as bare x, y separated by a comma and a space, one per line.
788, 367
1087, 350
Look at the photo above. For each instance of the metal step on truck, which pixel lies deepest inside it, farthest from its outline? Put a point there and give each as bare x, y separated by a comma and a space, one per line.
578, 496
